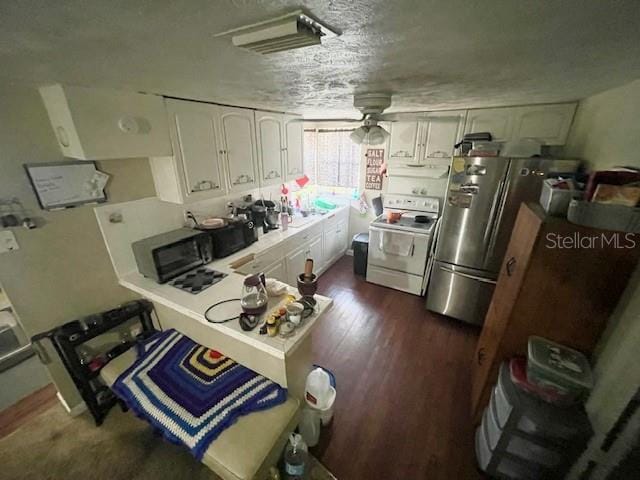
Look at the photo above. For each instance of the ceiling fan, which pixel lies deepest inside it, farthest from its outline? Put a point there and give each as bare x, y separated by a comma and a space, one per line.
371, 105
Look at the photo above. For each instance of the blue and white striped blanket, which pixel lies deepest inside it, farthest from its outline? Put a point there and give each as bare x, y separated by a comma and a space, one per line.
191, 393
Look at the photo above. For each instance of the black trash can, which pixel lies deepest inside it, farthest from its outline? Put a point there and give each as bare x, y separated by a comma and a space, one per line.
360, 246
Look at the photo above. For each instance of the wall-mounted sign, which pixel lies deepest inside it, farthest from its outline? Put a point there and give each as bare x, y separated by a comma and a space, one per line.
375, 159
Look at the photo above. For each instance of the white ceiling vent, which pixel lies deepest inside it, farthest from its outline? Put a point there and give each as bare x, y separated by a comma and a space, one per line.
294, 30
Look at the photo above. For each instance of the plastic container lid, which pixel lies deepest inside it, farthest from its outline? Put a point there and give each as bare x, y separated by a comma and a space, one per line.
554, 360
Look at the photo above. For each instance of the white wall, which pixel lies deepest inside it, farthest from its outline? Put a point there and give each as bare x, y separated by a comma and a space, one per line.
606, 128
62, 269
606, 133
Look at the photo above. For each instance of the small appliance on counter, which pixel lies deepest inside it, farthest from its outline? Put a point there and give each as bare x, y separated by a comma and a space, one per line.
265, 215
167, 255
254, 295
195, 281
232, 237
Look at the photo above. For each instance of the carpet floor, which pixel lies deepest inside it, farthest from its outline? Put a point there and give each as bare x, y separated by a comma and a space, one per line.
56, 446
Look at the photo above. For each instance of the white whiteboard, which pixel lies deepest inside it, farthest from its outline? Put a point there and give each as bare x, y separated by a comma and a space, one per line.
67, 184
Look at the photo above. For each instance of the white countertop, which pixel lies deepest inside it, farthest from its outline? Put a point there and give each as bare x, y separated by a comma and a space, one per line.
194, 306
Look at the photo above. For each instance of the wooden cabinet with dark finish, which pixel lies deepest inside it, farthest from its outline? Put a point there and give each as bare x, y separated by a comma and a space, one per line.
558, 280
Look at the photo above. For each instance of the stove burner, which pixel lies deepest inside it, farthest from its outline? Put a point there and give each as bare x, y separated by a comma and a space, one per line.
197, 280
421, 219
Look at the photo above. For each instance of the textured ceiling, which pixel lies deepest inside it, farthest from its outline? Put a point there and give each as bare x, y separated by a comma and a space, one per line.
428, 54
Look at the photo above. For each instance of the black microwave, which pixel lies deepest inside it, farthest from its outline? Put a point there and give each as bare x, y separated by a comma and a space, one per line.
165, 256
232, 237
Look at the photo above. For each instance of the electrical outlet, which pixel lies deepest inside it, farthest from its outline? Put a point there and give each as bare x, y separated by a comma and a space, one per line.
8, 242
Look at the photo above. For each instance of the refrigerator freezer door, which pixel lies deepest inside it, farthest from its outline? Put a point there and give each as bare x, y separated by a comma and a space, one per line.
459, 292
523, 184
470, 209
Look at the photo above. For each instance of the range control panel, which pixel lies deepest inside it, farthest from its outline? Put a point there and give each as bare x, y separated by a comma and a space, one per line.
406, 202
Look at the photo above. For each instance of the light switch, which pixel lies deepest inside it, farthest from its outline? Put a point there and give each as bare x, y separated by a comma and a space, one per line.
8, 241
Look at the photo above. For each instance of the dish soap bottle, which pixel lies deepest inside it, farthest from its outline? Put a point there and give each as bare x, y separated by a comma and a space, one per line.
295, 458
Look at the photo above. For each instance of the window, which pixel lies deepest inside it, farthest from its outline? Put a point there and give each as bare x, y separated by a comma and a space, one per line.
331, 159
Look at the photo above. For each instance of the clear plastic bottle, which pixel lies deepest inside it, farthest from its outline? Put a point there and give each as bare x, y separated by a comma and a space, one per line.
295, 458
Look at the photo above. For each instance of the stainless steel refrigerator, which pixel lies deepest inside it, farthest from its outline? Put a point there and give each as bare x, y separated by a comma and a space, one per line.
480, 208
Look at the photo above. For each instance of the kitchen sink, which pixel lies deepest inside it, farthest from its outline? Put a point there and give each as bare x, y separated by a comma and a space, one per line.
299, 221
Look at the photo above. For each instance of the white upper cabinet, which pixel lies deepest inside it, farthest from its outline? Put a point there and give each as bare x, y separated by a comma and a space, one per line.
99, 124
547, 123
441, 131
195, 171
497, 121
270, 134
404, 143
424, 142
293, 146
237, 127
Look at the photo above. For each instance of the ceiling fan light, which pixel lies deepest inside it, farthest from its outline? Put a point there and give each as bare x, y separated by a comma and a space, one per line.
359, 135
377, 135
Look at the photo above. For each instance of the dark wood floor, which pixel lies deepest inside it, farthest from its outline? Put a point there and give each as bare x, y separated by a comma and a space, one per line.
11, 418
403, 381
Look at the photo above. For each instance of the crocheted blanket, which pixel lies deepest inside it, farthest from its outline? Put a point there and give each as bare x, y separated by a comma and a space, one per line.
191, 393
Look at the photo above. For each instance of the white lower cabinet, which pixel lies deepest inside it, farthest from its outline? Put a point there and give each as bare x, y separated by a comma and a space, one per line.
335, 240
277, 270
297, 259
324, 242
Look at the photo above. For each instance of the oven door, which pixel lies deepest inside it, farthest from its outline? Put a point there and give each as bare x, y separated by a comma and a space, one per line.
398, 250
176, 258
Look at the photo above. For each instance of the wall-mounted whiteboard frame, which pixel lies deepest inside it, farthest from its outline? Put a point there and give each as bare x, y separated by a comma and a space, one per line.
66, 184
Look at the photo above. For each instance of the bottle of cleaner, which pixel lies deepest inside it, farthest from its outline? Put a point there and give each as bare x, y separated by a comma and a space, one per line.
295, 458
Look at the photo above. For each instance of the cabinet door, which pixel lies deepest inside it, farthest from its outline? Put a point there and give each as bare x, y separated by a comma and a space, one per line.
547, 123
196, 149
315, 252
405, 143
277, 270
293, 146
295, 264
270, 147
497, 121
442, 132
237, 129
342, 237
329, 242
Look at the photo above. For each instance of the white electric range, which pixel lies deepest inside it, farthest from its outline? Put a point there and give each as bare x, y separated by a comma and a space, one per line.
399, 252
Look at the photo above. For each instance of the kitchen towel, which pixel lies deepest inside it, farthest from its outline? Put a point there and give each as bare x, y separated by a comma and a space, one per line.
394, 243
191, 393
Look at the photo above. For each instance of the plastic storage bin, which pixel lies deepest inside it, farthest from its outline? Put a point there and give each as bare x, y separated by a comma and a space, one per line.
360, 246
606, 217
550, 364
517, 445
530, 415
502, 465
555, 201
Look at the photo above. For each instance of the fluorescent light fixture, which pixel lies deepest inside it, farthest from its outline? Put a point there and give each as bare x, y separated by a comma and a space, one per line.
287, 32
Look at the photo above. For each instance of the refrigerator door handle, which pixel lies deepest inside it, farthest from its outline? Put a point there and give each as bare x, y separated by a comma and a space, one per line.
434, 237
466, 275
492, 215
497, 220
